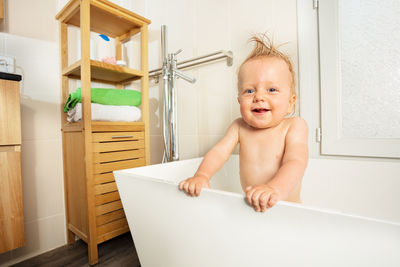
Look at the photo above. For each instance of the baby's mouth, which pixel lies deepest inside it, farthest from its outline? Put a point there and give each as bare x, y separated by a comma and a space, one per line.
260, 110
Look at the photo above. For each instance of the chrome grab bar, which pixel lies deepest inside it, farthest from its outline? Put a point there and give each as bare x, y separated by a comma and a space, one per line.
196, 61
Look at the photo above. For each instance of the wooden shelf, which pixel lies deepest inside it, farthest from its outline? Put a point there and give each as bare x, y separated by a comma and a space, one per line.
114, 126
104, 72
105, 126
105, 17
81, 144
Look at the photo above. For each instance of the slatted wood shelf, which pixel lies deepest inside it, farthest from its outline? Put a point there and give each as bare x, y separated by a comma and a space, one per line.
109, 217
119, 155
113, 233
105, 188
109, 207
120, 21
118, 146
114, 225
105, 126
106, 198
104, 72
103, 178
121, 136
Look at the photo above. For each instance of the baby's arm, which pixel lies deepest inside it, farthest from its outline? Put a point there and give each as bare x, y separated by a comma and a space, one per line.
290, 173
212, 161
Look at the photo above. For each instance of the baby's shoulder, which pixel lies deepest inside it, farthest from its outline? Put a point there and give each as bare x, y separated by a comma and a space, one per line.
296, 122
296, 128
239, 122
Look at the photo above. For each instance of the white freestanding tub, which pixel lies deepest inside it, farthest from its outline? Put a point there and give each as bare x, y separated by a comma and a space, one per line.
350, 216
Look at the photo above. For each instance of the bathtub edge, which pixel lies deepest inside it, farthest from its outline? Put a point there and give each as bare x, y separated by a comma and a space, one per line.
281, 202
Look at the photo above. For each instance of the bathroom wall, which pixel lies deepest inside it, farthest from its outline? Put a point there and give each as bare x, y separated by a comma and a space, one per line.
42, 181
206, 108
29, 33
33, 19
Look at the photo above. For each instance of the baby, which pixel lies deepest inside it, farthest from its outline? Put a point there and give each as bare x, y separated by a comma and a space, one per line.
273, 147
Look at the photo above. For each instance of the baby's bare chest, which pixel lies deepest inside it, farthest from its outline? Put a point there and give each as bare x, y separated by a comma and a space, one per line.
262, 145
261, 156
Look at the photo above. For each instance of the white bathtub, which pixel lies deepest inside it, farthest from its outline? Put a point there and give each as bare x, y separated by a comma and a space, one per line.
350, 216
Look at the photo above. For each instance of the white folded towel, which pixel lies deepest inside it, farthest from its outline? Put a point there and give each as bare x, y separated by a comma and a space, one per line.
106, 113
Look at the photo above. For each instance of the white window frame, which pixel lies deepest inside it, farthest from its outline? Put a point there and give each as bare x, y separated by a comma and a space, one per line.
319, 81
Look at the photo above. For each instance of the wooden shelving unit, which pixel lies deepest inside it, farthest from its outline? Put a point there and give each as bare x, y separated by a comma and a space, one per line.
93, 149
104, 72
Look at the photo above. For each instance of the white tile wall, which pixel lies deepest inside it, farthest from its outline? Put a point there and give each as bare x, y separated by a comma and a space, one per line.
156, 145
34, 19
42, 178
190, 146
214, 89
155, 108
37, 115
41, 235
207, 141
42, 184
207, 108
188, 95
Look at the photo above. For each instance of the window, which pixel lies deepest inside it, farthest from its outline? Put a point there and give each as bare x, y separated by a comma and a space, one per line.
359, 69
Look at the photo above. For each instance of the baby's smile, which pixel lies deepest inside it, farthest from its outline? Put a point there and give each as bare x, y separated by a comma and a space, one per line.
260, 111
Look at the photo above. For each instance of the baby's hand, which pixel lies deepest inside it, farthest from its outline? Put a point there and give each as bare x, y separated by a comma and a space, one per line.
261, 197
192, 186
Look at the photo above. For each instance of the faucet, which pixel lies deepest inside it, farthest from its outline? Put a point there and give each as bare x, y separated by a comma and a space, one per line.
4, 63
175, 71
170, 116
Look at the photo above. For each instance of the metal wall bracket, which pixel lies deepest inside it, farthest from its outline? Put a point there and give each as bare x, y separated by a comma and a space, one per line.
318, 135
315, 4
222, 54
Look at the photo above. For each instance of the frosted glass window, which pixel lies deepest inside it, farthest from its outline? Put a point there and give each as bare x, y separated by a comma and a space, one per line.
369, 34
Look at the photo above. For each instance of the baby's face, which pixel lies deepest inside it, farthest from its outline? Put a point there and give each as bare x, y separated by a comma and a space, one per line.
265, 97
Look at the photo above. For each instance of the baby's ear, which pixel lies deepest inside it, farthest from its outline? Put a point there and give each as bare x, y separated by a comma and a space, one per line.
292, 101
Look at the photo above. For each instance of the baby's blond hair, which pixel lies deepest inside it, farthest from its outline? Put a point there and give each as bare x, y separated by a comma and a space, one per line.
264, 47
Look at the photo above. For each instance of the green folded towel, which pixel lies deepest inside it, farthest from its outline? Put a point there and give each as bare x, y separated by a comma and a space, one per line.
116, 97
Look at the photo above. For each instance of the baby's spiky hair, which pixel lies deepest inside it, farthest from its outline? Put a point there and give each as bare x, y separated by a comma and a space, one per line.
265, 47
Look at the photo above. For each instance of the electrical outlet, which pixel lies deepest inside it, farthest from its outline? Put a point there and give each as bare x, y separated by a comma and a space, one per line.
7, 64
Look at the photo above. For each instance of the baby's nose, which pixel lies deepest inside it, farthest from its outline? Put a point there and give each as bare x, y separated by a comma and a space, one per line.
259, 96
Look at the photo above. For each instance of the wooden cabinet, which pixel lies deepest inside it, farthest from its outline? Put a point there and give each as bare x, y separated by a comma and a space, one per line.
1, 9
10, 114
93, 149
11, 206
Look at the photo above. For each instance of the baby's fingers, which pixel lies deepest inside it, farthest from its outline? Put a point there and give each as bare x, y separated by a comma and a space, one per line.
264, 200
273, 199
192, 188
181, 184
186, 187
249, 195
198, 189
255, 200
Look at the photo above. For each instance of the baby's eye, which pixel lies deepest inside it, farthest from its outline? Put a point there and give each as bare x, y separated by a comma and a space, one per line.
249, 91
272, 90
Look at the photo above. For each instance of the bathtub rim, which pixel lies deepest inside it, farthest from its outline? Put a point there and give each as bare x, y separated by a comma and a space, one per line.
240, 196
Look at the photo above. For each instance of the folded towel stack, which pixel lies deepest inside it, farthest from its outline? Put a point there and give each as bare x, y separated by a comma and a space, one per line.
107, 105
115, 97
106, 113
